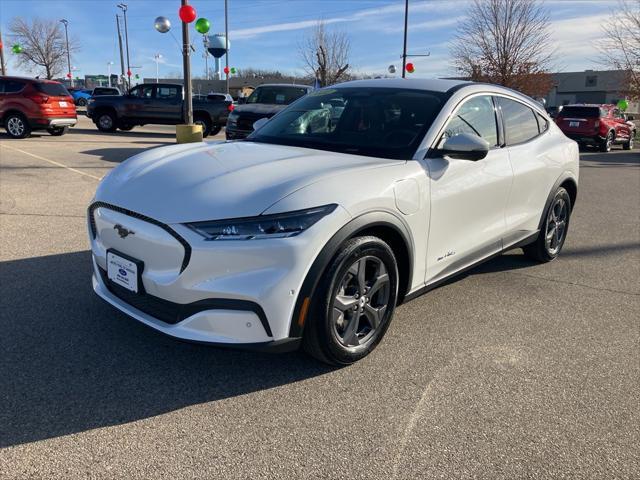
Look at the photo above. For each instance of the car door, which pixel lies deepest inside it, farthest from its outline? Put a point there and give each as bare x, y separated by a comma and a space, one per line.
467, 197
531, 154
139, 104
623, 132
167, 104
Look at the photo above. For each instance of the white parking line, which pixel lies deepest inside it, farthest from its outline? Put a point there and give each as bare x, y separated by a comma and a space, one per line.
53, 162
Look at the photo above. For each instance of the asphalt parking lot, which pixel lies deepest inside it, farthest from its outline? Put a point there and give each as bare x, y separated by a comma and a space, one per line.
514, 370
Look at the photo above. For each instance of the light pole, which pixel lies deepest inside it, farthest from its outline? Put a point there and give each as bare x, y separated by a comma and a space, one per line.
66, 36
226, 40
157, 57
109, 75
123, 7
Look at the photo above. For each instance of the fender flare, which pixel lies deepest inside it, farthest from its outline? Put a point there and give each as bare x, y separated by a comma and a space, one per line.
566, 176
329, 251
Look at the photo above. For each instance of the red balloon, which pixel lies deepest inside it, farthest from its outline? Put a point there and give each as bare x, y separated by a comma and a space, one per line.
410, 67
187, 13
1, 45
68, 75
231, 107
128, 73
226, 70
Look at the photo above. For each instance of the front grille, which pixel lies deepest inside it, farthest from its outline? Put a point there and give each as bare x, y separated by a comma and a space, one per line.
139, 216
246, 121
172, 313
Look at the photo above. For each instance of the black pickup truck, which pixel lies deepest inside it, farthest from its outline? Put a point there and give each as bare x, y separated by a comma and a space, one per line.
156, 103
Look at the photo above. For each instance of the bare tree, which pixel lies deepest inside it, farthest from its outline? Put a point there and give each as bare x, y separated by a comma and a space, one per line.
325, 55
621, 47
44, 50
507, 42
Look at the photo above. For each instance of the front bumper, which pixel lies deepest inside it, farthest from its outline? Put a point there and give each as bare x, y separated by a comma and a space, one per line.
237, 293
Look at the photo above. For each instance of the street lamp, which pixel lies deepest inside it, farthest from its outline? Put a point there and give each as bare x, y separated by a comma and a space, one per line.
123, 7
66, 35
157, 57
109, 75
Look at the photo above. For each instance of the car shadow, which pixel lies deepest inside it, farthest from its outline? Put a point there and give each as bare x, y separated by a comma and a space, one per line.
130, 133
117, 155
71, 362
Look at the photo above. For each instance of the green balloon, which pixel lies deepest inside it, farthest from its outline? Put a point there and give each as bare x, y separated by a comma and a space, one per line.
233, 70
17, 48
623, 105
202, 25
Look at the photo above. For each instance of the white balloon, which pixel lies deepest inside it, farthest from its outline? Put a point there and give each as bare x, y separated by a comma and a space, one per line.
162, 24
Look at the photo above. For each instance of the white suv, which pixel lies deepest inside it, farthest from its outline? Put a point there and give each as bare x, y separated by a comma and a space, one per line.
353, 199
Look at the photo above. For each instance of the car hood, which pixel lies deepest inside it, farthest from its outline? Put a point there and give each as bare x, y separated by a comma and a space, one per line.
208, 181
259, 109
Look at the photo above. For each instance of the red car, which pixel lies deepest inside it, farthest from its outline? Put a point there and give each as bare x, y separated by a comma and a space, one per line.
28, 104
599, 125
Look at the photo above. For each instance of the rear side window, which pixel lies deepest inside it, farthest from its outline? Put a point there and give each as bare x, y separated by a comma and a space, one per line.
543, 123
476, 116
520, 122
582, 112
53, 89
11, 86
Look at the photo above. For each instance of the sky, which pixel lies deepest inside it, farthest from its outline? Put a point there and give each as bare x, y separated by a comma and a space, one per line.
265, 34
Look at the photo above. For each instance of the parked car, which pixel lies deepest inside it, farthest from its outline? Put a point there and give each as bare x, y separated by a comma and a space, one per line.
312, 236
154, 103
81, 96
598, 125
98, 91
28, 104
264, 102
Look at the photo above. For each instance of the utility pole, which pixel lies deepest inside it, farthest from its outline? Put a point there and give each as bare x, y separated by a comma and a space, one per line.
157, 57
4, 70
186, 65
226, 40
123, 7
121, 55
404, 48
66, 35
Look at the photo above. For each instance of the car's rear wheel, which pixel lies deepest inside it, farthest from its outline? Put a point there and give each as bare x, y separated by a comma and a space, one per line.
554, 229
106, 122
205, 123
354, 302
57, 131
17, 126
215, 130
629, 144
605, 145
82, 102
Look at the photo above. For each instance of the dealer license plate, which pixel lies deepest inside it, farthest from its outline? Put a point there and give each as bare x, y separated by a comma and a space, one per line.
63, 104
574, 124
122, 272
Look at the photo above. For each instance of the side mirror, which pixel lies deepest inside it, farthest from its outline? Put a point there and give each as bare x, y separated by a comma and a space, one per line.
258, 124
242, 100
465, 146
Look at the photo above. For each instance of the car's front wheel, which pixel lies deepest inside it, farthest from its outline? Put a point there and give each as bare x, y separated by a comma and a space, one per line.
106, 122
629, 144
554, 229
354, 302
17, 126
82, 102
605, 145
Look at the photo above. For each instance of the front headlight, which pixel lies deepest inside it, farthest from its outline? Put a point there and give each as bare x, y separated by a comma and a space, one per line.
91, 100
279, 225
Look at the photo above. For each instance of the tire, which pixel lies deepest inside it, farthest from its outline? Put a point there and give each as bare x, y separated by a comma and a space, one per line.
57, 131
343, 296
126, 128
629, 145
605, 145
106, 122
206, 125
82, 102
17, 126
553, 234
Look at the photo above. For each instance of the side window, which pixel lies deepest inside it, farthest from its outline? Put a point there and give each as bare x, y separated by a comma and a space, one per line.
520, 122
476, 116
2, 82
143, 91
543, 123
166, 93
13, 86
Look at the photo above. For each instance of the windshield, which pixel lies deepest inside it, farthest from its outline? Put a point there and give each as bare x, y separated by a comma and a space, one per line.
276, 95
379, 122
53, 89
581, 112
